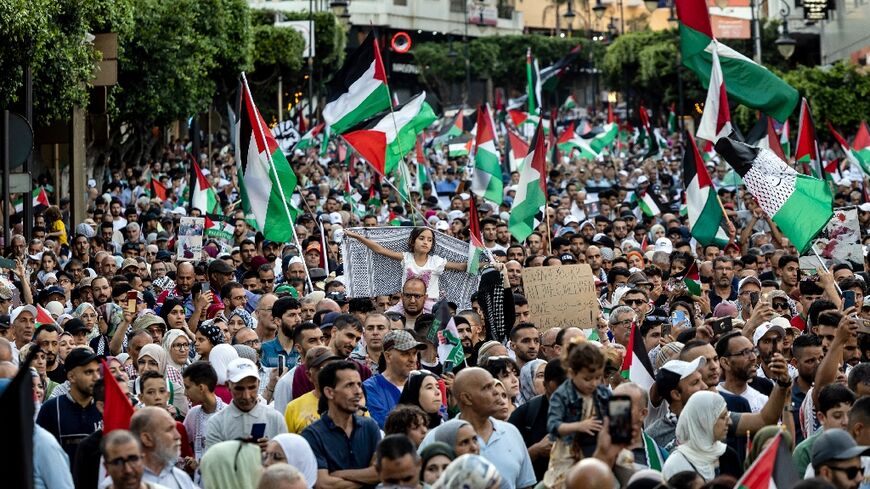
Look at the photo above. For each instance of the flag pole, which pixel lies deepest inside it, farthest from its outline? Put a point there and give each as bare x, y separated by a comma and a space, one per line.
825, 268
274, 172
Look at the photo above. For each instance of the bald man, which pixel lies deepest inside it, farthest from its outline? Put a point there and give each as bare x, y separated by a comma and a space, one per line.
500, 442
590, 473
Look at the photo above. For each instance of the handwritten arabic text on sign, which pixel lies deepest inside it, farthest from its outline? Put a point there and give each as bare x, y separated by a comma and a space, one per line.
561, 296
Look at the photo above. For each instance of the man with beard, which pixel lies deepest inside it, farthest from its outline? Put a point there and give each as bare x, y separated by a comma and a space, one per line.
286, 314
376, 328
806, 356
593, 259
768, 340
723, 277
74, 416
466, 336
123, 457
515, 276
47, 337
413, 300
346, 333
525, 341
738, 359
101, 290
161, 446
23, 320
400, 358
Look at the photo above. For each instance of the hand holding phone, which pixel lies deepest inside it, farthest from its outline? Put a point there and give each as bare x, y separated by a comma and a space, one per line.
281, 365
132, 299
620, 422
258, 430
848, 299
753, 299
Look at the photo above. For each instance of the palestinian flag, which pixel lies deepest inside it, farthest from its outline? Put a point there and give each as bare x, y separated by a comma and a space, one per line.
266, 181
220, 227
569, 104
43, 316
646, 204
800, 205
486, 181
117, 410
784, 140
716, 119
702, 203
394, 219
359, 90
40, 199
443, 333
158, 190
549, 77
453, 130
692, 279
460, 146
309, 140
533, 83
204, 197
861, 146
749, 83
654, 457
324, 141
773, 469
519, 118
636, 366
763, 135
569, 141
672, 120
604, 138
531, 197
384, 140
516, 149
653, 149
807, 152
584, 129
852, 155
475, 245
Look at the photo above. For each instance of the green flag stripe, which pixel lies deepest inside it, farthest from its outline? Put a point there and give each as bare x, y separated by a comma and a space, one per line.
805, 212
374, 103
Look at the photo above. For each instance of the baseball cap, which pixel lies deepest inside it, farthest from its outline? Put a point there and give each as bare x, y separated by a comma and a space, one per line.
748, 280
328, 319
785, 324
241, 368
567, 258
765, 328
665, 245
142, 322
835, 444
79, 357
312, 246
767, 249
401, 340
442, 226
324, 356
18, 310
129, 262
163, 255
684, 369
316, 274
602, 239
639, 278
54, 308
865, 207
220, 266
570, 219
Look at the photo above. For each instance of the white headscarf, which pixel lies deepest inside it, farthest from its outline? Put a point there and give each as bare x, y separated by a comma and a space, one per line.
527, 380
299, 455
695, 432
220, 358
168, 339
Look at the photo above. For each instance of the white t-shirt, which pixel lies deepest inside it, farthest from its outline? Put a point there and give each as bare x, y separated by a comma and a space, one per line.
430, 272
756, 399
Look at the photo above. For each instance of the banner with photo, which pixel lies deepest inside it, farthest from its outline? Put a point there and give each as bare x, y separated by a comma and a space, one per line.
189, 244
839, 242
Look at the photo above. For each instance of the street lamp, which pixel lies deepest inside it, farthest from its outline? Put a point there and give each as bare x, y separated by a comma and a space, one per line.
569, 15
599, 10
339, 8
651, 5
785, 44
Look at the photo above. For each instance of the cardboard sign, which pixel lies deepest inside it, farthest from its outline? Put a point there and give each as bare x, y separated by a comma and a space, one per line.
189, 244
561, 296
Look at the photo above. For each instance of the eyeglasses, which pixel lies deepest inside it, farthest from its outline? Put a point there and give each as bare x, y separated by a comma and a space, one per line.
182, 346
779, 305
851, 472
634, 302
121, 461
748, 352
251, 343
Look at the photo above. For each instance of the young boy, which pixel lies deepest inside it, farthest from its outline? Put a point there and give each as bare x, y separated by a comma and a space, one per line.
200, 380
835, 400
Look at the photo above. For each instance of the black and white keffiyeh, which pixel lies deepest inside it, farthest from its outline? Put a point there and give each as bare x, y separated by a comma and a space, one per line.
369, 274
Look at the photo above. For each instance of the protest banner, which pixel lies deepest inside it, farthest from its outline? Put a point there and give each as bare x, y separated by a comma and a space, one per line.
561, 296
189, 244
838, 242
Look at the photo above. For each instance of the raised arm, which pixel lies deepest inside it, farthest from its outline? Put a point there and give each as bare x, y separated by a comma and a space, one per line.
376, 247
771, 412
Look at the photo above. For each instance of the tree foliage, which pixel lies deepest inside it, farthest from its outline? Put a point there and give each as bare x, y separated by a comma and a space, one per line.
499, 58
839, 93
50, 35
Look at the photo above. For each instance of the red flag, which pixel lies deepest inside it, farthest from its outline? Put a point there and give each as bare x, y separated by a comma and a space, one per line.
117, 409
862, 139
157, 189
473, 222
610, 118
773, 140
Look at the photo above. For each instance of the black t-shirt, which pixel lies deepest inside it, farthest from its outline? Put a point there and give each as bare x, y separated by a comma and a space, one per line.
531, 420
58, 374
762, 385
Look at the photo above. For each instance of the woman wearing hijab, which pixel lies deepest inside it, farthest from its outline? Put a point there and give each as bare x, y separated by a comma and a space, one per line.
531, 380
239, 319
702, 426
422, 390
762, 440
110, 318
206, 338
154, 357
88, 314
292, 449
231, 465
469, 472
459, 435
434, 460
177, 346
220, 358
172, 312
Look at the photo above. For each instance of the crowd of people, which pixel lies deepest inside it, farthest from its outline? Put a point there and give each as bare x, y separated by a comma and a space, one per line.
253, 367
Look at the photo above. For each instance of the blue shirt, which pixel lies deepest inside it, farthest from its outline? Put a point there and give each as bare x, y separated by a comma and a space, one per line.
50, 462
270, 350
381, 397
334, 450
69, 422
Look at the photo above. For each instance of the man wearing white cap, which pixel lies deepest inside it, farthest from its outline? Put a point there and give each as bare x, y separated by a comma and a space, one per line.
244, 417
23, 320
768, 339
676, 381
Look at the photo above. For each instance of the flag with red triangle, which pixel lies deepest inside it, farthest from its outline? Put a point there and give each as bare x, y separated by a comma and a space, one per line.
204, 196
516, 149
852, 155
807, 152
475, 243
716, 119
636, 366
117, 409
692, 279
774, 468
43, 316
158, 190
